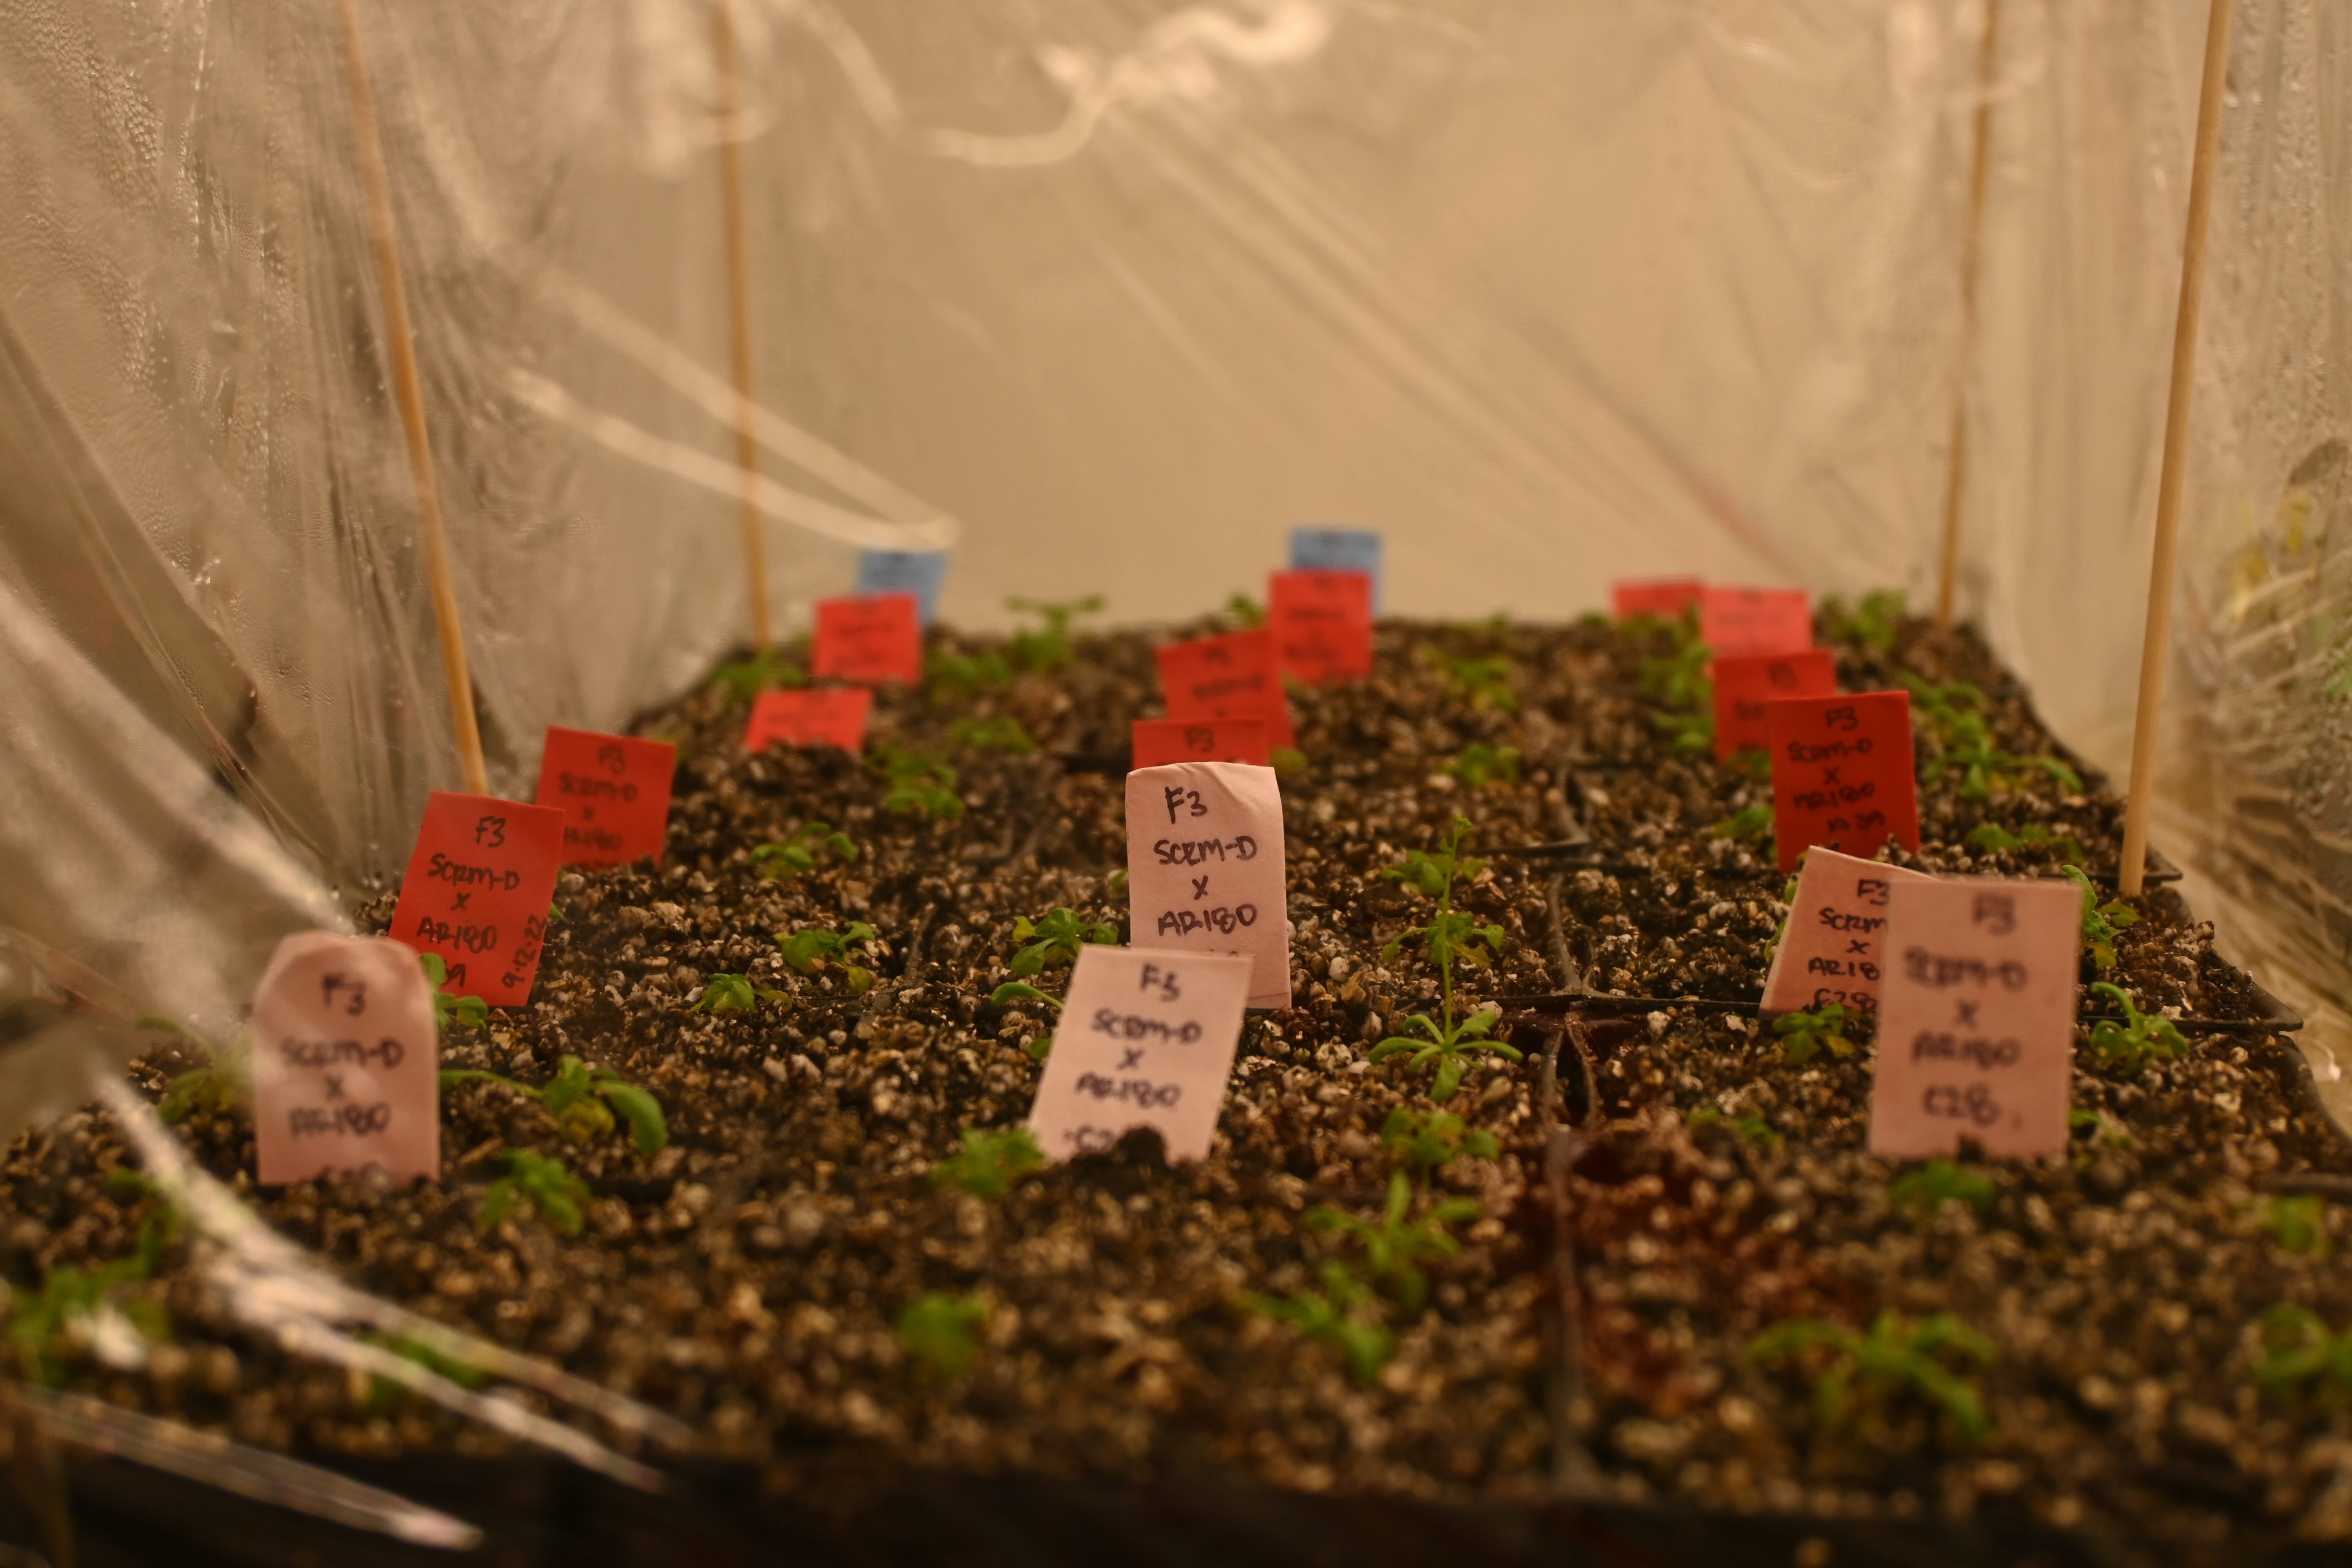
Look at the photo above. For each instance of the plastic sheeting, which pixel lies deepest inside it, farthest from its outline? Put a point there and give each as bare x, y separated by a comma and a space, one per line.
1110, 293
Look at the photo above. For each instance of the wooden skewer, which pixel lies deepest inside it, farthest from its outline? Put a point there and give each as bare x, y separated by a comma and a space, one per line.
738, 300
1956, 482
408, 393
2157, 647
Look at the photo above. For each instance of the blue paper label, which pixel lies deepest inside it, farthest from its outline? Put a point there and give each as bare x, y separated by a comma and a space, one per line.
1338, 550
916, 572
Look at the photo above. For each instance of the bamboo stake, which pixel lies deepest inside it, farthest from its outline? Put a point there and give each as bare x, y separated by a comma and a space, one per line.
1956, 482
2157, 647
408, 393
739, 300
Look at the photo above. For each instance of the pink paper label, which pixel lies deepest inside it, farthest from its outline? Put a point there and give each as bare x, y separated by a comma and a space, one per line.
1975, 1023
478, 886
1664, 597
1205, 869
614, 791
1754, 620
831, 717
872, 639
1145, 1039
1162, 740
1829, 951
1322, 624
1745, 683
1229, 677
1841, 774
344, 1075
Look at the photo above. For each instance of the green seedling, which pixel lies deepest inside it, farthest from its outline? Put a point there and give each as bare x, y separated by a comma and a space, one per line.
1046, 648
219, 1087
2032, 835
1963, 737
2139, 1039
384, 1395
990, 1162
1788, 897
2100, 1125
1874, 624
763, 671
1925, 1189
1447, 1047
1012, 991
2299, 1353
2299, 1224
582, 1102
1449, 936
812, 949
969, 675
1751, 1129
734, 994
781, 862
1432, 875
543, 1183
1480, 764
1055, 940
918, 783
940, 1332
81, 1306
1750, 824
1335, 1315
1003, 733
470, 1011
1866, 1373
1804, 1036
1422, 1142
1244, 612
1679, 679
2102, 923
1687, 734
1394, 1246
1479, 681
1287, 761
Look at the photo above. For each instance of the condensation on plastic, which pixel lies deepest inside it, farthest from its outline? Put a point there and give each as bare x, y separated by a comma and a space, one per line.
1111, 292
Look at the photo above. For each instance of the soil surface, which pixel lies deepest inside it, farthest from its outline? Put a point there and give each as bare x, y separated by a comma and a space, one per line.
1663, 1185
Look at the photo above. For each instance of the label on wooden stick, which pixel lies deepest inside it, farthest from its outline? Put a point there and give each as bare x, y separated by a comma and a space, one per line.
834, 716
871, 640
1754, 620
1841, 773
1322, 624
1159, 742
1831, 950
1205, 867
614, 791
344, 1075
1664, 597
1745, 683
478, 886
1975, 1023
1229, 677
1145, 1039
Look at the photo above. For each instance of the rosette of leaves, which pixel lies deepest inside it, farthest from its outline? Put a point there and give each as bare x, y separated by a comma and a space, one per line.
814, 949
1054, 941
1046, 647
583, 1102
2139, 1039
1338, 1315
940, 1332
2102, 922
781, 862
1863, 1373
1397, 1244
1804, 1036
470, 1011
540, 1182
918, 783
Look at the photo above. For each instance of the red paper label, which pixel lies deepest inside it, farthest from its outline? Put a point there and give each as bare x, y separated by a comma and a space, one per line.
1664, 597
1754, 620
477, 891
1322, 624
834, 717
1159, 742
1841, 774
614, 791
1745, 683
1229, 677
871, 639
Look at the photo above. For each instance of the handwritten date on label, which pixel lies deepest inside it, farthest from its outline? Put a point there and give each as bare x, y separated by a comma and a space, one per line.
1159, 742
1830, 949
1322, 624
1841, 773
1745, 683
872, 640
1230, 677
614, 791
1976, 1017
831, 717
343, 1061
1754, 620
478, 889
1667, 598
1145, 1039
1205, 867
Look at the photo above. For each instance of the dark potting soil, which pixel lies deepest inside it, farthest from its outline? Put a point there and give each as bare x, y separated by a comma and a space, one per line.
1665, 1187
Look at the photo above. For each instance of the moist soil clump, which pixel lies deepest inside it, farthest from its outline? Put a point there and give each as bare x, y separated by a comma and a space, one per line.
1596, 1236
